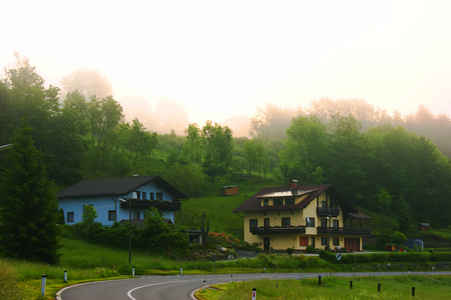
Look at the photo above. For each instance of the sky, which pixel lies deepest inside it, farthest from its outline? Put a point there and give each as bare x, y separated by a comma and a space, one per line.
219, 59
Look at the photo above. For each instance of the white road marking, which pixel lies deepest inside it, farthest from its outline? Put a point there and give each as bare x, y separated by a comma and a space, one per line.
129, 293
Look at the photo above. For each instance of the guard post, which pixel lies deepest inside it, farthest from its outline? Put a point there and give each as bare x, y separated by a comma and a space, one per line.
43, 284
254, 294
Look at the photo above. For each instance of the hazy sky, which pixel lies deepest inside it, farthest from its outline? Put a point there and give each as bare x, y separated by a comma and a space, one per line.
225, 58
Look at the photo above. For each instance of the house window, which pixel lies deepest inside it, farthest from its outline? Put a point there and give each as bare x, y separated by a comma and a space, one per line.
285, 222
111, 215
265, 202
289, 201
303, 241
138, 195
323, 241
323, 204
335, 223
278, 201
324, 223
310, 222
160, 196
152, 196
144, 195
336, 242
136, 214
70, 217
253, 223
266, 222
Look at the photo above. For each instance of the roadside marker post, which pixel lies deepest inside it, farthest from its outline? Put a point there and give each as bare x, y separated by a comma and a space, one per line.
65, 276
133, 272
350, 284
203, 286
338, 257
254, 294
231, 278
181, 271
43, 284
413, 291
319, 280
378, 287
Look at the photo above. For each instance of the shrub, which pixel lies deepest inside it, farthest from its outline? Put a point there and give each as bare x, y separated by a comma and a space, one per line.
310, 249
327, 256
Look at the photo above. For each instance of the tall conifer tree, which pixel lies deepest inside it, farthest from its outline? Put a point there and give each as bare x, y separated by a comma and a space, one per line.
28, 206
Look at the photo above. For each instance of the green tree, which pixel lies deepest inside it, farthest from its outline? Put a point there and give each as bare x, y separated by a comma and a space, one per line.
192, 149
102, 158
217, 146
28, 206
347, 155
307, 147
188, 178
398, 238
255, 158
69, 140
161, 237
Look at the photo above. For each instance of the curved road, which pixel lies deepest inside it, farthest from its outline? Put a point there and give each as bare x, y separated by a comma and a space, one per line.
183, 286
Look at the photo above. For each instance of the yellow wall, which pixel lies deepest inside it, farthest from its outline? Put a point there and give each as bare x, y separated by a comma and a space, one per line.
297, 218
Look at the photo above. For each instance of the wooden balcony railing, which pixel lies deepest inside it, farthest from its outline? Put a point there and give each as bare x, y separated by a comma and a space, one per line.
146, 204
327, 212
277, 230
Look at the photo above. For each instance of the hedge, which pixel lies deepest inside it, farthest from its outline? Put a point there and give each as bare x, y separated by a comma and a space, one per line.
418, 257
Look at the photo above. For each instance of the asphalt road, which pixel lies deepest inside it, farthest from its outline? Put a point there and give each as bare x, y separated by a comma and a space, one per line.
183, 286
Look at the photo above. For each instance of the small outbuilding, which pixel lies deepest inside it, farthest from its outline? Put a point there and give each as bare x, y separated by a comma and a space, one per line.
424, 226
229, 190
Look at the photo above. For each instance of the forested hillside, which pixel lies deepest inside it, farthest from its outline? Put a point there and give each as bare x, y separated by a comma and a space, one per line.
387, 164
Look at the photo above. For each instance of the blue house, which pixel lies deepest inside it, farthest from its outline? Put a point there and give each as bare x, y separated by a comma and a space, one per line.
111, 198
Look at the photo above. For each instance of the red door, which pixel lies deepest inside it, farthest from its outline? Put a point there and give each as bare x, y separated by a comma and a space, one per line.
352, 244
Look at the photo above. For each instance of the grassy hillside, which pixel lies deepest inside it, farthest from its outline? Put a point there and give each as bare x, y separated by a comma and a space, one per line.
219, 209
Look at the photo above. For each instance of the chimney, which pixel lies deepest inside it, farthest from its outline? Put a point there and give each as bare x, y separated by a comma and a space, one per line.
294, 183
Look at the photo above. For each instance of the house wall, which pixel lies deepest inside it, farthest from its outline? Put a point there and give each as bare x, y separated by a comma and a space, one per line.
104, 204
297, 218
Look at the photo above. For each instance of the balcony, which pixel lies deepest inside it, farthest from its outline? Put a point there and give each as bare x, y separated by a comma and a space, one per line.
146, 204
278, 230
327, 212
343, 231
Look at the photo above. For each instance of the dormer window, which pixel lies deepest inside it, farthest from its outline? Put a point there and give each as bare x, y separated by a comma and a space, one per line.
278, 201
289, 201
265, 202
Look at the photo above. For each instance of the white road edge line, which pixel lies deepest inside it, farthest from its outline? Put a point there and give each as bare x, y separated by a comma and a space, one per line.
58, 294
129, 293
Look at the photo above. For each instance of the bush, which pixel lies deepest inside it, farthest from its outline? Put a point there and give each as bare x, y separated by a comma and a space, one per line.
327, 256
290, 251
310, 249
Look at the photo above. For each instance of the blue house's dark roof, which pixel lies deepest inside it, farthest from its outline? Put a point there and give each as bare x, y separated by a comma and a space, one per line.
117, 186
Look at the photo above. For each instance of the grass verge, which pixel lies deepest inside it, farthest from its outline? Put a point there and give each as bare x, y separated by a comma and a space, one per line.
391, 287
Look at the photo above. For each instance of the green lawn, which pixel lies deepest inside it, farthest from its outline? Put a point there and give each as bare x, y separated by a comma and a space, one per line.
219, 209
393, 287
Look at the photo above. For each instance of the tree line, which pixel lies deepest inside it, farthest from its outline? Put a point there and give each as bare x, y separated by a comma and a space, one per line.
374, 160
